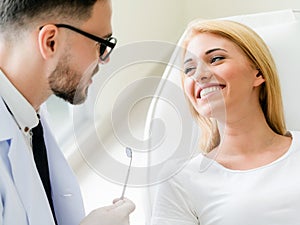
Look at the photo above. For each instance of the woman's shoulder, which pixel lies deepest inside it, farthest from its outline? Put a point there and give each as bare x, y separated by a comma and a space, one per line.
189, 167
295, 145
295, 137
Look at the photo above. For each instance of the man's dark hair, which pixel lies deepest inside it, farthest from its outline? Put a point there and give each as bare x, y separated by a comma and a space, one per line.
19, 14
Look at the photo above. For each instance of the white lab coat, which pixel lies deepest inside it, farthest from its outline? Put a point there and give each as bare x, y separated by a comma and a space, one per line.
23, 200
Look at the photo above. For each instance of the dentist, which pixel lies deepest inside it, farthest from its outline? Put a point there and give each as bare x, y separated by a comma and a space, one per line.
47, 47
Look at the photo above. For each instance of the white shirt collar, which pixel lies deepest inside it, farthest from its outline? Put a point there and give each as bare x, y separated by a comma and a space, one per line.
22, 111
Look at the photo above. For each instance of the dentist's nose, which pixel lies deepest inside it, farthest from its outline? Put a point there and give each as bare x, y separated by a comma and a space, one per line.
202, 74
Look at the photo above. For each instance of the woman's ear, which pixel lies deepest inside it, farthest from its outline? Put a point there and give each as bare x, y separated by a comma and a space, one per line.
259, 79
48, 40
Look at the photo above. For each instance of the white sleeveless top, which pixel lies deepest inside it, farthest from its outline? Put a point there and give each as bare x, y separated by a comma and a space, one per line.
207, 193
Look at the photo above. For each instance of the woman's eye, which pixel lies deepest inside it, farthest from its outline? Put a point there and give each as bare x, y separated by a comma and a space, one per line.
189, 70
216, 59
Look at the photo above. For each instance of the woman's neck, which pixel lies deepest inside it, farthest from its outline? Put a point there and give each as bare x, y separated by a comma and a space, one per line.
248, 133
248, 143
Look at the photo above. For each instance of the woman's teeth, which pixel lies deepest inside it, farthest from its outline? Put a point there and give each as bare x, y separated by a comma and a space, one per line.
208, 90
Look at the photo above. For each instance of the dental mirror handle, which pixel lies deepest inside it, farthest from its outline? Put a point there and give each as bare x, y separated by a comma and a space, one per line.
129, 155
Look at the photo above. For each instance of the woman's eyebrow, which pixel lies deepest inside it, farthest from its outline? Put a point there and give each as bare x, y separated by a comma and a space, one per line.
188, 60
214, 49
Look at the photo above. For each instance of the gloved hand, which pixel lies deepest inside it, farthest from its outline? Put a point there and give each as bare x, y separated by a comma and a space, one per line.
115, 214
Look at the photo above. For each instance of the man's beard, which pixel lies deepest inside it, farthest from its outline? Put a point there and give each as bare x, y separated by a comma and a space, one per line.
68, 84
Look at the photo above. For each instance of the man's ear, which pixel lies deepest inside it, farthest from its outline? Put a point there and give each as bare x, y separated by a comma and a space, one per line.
259, 79
48, 40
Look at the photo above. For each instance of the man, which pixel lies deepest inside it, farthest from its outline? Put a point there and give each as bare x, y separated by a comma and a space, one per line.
46, 47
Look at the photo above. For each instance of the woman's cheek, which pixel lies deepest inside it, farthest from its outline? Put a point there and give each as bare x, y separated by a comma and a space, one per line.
188, 86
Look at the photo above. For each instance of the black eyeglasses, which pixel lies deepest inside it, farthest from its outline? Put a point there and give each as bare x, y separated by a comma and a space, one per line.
105, 45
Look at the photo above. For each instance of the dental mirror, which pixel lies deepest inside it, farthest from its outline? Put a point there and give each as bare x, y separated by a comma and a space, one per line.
129, 155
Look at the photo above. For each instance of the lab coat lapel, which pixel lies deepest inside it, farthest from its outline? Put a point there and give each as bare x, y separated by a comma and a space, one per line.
27, 181
66, 193
65, 189
14, 211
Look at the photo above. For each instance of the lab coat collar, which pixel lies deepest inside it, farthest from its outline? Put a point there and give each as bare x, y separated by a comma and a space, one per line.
6, 131
22, 111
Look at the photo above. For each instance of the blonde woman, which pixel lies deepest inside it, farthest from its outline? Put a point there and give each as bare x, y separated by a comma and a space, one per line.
248, 169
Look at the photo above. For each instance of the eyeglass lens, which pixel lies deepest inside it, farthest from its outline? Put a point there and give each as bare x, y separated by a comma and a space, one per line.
106, 50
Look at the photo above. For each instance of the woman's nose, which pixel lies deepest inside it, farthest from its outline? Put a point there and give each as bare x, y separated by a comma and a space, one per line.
203, 74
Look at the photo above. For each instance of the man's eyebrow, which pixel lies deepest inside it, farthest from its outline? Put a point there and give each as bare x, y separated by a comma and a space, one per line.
214, 49
107, 36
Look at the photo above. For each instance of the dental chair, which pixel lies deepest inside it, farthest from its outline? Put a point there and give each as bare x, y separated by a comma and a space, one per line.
169, 115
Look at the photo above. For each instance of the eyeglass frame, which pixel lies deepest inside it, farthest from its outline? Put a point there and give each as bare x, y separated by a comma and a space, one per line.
99, 40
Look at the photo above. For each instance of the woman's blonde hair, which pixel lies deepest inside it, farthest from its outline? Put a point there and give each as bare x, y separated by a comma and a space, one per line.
258, 53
